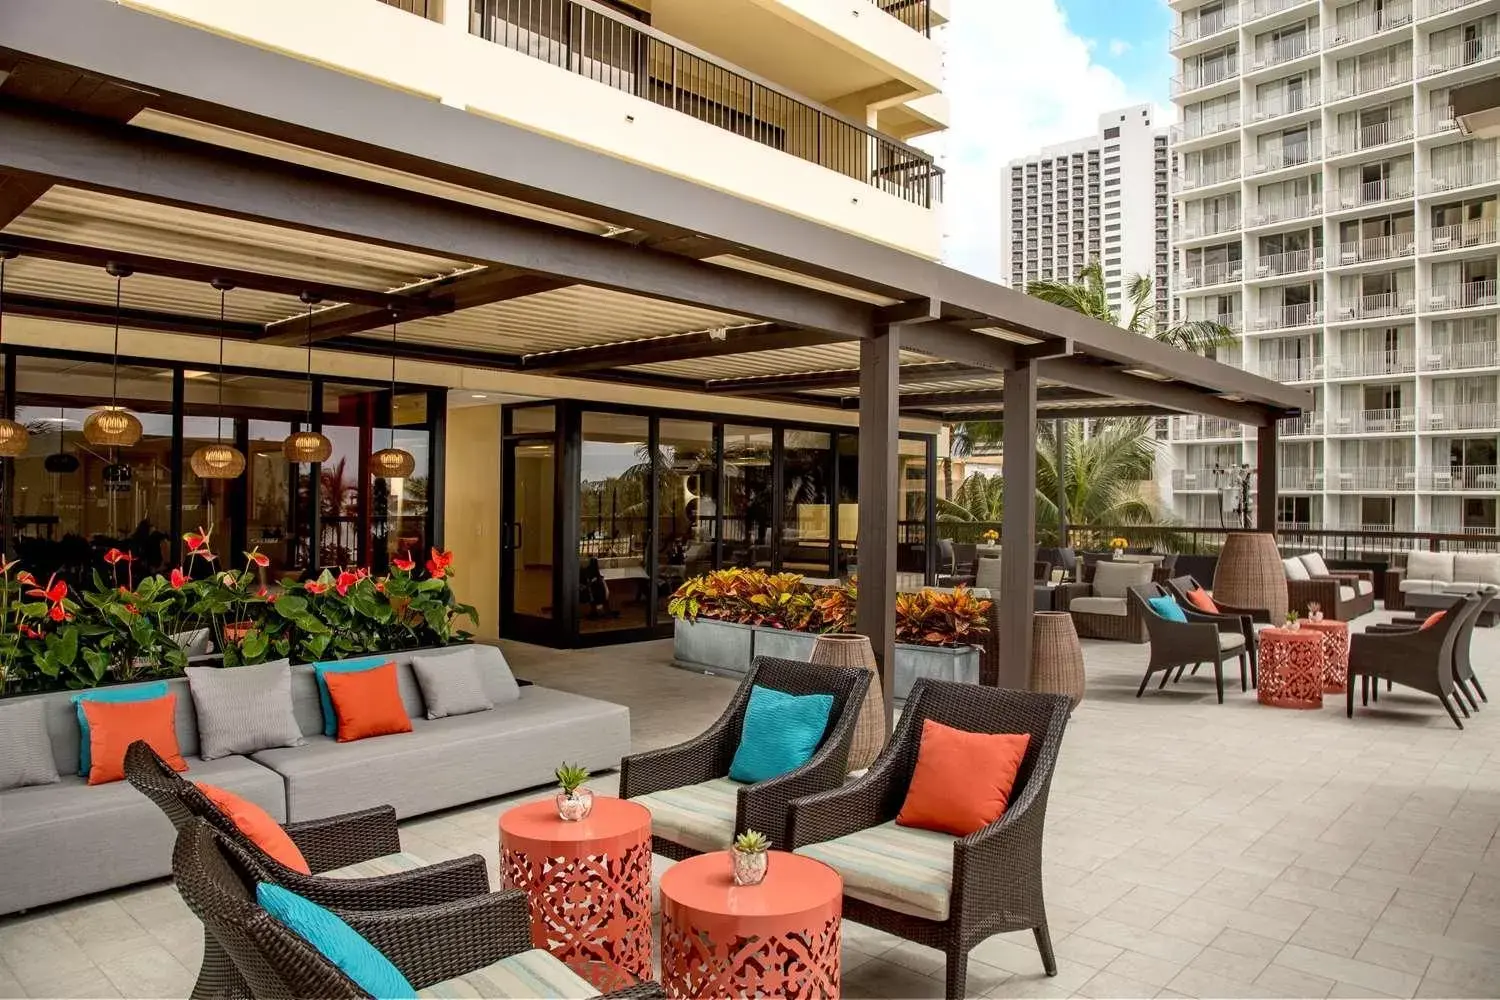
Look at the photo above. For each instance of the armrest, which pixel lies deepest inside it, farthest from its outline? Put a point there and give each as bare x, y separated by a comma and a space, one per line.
1067, 591
1225, 622
432, 944
443, 882
1262, 615
700, 759
1381, 628
349, 838
852, 807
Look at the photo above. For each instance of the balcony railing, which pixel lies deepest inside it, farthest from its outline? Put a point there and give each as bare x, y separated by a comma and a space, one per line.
1209, 274
1461, 54
1286, 210
1197, 79
1396, 362
421, 8
1360, 541
1292, 369
1265, 8
1204, 428
1380, 305
915, 14
1370, 80
1289, 262
1461, 416
1284, 50
1461, 175
1375, 192
1375, 248
1224, 170
1394, 16
1461, 236
1378, 134
1285, 103
1382, 421
1303, 426
1441, 479
1300, 478
1204, 27
1381, 478
1473, 354
1211, 225
1432, 8
626, 55
1197, 128
1287, 156
1289, 317
1464, 295
1193, 479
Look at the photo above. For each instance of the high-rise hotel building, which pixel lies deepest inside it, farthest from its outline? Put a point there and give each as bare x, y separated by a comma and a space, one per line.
1329, 210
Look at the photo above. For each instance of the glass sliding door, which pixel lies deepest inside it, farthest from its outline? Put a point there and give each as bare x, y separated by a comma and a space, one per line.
687, 494
616, 470
806, 502
749, 496
528, 606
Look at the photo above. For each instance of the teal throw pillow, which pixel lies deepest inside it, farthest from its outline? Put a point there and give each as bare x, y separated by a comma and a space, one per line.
336, 941
1168, 608
330, 718
113, 695
780, 733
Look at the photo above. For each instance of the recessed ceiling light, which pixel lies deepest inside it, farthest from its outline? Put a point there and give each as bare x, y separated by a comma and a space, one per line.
194, 374
478, 395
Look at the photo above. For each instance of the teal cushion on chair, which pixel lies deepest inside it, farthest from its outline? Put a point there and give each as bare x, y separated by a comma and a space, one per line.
780, 733
1168, 608
336, 941
113, 695
330, 719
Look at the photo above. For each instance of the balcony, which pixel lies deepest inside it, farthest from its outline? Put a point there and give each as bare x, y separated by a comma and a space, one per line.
1211, 225
1432, 8
1289, 317
1376, 248
1375, 192
1473, 354
1464, 295
1286, 157
1274, 265
1283, 51
1461, 417
1200, 127
1461, 236
1300, 479
1436, 122
1308, 424
1219, 173
1188, 480
1284, 103
1394, 16
915, 14
1368, 82
1373, 479
1292, 369
1204, 27
1383, 421
1381, 305
1371, 136
1265, 8
1209, 274
1465, 53
1373, 363
1286, 210
1458, 478
1199, 79
1193, 428
1460, 175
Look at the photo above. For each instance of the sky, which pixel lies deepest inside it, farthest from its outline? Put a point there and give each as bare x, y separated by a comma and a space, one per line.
1021, 74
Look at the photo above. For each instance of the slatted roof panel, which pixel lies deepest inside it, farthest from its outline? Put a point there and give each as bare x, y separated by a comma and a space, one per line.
792, 361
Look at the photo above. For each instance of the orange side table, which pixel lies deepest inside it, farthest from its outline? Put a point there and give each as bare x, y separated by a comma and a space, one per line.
779, 939
588, 883
1291, 668
1335, 653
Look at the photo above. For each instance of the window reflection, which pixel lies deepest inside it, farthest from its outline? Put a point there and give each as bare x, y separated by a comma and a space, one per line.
749, 502
615, 588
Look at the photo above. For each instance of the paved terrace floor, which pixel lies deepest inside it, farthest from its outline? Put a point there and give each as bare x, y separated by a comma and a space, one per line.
1192, 849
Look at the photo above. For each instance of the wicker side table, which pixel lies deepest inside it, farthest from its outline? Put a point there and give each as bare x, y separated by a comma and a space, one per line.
1056, 655
837, 649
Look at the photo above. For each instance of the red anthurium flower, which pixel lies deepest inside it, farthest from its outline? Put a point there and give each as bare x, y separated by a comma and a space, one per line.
404, 564
5, 568
258, 558
132, 609
56, 590
314, 587
197, 539
380, 586
29, 632
56, 613
177, 579
344, 582
443, 559
26, 578
436, 569
361, 573
227, 579
113, 556
206, 556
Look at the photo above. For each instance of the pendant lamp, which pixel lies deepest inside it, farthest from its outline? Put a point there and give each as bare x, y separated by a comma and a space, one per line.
61, 462
114, 426
307, 445
391, 462
219, 460
13, 436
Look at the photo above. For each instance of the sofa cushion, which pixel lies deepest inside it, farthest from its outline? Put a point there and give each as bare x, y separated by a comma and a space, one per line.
1460, 587
1112, 578
1346, 593
450, 683
258, 826
535, 973
1410, 586
367, 702
25, 751
1476, 566
699, 817
1424, 565
897, 867
113, 726
119, 693
111, 835
1296, 569
1314, 563
454, 761
243, 709
1099, 606
1231, 640
63, 730
364, 664
987, 573
1364, 587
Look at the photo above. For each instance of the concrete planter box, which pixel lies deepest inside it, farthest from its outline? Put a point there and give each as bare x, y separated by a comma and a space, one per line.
785, 645
711, 645
944, 663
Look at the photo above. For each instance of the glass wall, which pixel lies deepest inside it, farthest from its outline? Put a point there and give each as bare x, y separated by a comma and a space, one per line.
687, 504
806, 502
749, 496
614, 496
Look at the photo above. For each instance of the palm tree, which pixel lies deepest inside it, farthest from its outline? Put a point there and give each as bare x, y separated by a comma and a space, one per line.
964, 439
1087, 295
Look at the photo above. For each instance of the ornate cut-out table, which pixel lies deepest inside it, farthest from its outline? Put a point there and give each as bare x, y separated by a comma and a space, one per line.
1335, 653
589, 885
777, 939
1291, 668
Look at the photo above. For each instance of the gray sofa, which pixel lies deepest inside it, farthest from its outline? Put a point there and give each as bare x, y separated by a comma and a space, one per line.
68, 839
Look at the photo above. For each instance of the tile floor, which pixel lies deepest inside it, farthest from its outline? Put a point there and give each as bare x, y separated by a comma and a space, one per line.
1193, 850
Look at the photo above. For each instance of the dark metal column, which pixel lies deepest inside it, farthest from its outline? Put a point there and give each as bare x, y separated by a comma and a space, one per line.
1266, 480
179, 464
1018, 531
879, 430
1059, 428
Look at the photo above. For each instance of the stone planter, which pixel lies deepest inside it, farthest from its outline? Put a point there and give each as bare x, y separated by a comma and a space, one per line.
711, 645
785, 645
943, 663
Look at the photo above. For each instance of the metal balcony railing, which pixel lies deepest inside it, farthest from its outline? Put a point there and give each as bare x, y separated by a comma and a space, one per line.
1204, 428
1198, 78
1204, 27
1378, 134
1306, 424
1289, 317
421, 8
1437, 121
1193, 479
1284, 50
1382, 421
1209, 274
1461, 236
1211, 225
1460, 54
1285, 103
1370, 80
1396, 362
1464, 295
1287, 209
1461, 416
1289, 262
1375, 248
1442, 479
1287, 156
1300, 478
1374, 478
611, 49
1432, 8
915, 14
1197, 128
1380, 305
1471, 354
1393, 16
1461, 175
1265, 8
1375, 192
1292, 369
1218, 173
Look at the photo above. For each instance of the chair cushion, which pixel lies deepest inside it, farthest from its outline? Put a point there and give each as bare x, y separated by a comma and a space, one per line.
1167, 607
367, 703
130, 692
1431, 620
780, 733
897, 867
987, 573
1410, 586
1346, 594
962, 780
1476, 566
699, 817
25, 749
1314, 563
1296, 569
1203, 601
1424, 565
336, 941
1111, 579
243, 709
1365, 587
450, 683
1231, 640
388, 864
257, 824
1459, 587
1099, 606
529, 975
113, 726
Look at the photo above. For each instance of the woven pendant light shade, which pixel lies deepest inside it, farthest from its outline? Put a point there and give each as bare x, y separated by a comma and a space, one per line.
112, 427
392, 463
217, 461
306, 446
13, 438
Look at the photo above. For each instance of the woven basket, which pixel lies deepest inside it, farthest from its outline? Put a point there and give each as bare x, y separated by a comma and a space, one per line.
1056, 656
1250, 573
841, 650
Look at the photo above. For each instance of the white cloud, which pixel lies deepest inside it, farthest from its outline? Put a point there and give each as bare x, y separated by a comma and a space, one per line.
1017, 78
1118, 46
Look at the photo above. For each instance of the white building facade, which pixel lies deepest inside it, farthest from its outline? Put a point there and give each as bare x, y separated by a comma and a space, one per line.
1331, 213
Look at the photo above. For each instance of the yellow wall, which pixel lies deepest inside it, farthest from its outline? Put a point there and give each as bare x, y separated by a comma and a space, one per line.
471, 510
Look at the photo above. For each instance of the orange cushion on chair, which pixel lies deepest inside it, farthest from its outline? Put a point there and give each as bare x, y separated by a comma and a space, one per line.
257, 824
1200, 600
1432, 620
367, 703
113, 726
962, 780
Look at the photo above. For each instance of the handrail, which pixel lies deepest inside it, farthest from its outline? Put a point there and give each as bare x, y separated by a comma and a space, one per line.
915, 14
1190, 539
589, 39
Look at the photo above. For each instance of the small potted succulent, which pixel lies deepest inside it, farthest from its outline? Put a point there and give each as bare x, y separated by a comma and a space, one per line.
574, 801
1119, 545
1291, 619
751, 857
1314, 611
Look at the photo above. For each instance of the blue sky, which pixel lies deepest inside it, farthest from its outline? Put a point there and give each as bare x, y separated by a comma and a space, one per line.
1129, 38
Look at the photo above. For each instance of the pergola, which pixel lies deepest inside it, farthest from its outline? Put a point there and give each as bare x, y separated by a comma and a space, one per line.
128, 138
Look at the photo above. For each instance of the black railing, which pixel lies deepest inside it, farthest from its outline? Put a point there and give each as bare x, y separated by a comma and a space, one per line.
593, 41
915, 14
421, 8
1351, 544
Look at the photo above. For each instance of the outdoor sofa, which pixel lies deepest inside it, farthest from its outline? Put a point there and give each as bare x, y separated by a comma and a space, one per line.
66, 839
1342, 594
1430, 578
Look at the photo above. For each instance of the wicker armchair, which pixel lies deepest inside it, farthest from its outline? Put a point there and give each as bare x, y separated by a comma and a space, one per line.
993, 882
1415, 658
430, 945
700, 812
1094, 624
1201, 639
1245, 618
1181, 586
1343, 594
1465, 681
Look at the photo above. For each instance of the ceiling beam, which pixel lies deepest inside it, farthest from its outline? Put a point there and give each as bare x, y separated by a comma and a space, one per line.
939, 340
17, 194
685, 347
1059, 413
844, 378
164, 169
1173, 396
944, 400
100, 314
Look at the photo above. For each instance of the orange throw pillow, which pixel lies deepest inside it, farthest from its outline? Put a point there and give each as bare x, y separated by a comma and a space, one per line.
962, 780
113, 726
1432, 620
1202, 601
257, 824
367, 703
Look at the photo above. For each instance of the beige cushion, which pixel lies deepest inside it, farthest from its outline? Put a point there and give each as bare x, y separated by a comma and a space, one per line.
1112, 578
390, 864
1459, 587
1408, 586
1296, 569
1365, 587
1314, 563
1424, 565
1346, 594
1231, 640
897, 867
1099, 606
699, 817
1476, 566
530, 975
987, 573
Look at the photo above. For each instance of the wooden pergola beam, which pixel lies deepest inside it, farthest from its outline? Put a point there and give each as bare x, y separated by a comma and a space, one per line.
682, 347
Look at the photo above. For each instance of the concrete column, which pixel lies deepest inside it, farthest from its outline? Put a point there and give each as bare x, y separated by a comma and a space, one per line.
879, 430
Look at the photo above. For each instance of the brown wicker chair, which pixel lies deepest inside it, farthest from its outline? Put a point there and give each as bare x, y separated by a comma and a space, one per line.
1129, 627
1180, 586
1245, 618
1326, 593
996, 874
1415, 658
430, 945
1465, 681
1201, 639
707, 757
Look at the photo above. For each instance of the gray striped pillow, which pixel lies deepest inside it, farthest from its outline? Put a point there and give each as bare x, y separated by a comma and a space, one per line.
244, 709
25, 750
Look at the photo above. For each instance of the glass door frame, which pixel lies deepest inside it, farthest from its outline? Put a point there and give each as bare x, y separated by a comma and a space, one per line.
514, 625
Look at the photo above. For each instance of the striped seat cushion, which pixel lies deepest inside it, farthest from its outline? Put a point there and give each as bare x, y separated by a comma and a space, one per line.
699, 817
531, 975
390, 864
896, 867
